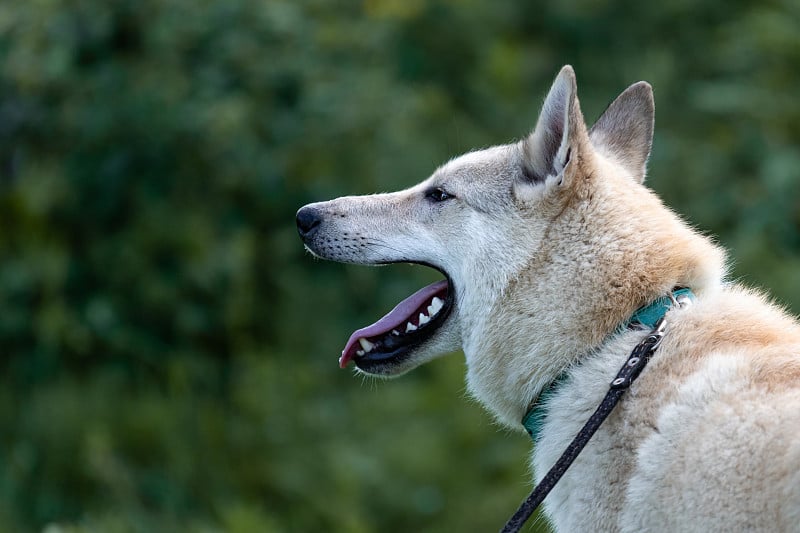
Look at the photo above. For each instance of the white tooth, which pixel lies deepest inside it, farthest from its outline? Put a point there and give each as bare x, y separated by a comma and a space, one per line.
368, 346
410, 327
436, 305
423, 319
395, 332
360, 352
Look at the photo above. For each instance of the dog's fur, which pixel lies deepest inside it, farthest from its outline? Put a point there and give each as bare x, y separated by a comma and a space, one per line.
550, 244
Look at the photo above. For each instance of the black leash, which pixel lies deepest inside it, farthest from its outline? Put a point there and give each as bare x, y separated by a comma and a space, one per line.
628, 373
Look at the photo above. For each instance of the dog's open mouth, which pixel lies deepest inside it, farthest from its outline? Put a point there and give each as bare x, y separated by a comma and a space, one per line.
408, 325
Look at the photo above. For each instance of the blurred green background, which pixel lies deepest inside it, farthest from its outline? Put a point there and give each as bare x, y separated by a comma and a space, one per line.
169, 352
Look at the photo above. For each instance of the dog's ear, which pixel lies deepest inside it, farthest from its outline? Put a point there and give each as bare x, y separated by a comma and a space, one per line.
624, 132
553, 144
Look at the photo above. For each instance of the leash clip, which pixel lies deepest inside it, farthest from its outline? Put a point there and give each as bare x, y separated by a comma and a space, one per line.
640, 356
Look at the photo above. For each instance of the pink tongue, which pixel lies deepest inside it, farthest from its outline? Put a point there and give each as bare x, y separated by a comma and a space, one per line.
393, 320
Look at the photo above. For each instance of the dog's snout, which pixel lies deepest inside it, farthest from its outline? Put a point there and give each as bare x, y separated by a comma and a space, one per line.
308, 220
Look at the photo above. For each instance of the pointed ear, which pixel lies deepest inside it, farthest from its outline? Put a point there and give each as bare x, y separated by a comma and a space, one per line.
548, 150
625, 130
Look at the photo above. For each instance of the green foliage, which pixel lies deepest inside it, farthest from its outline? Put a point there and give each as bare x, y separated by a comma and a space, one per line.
169, 352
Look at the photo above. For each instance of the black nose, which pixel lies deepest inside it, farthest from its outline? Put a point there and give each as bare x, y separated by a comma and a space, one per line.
308, 220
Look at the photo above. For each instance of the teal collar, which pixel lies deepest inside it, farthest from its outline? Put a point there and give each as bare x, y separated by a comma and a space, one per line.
646, 316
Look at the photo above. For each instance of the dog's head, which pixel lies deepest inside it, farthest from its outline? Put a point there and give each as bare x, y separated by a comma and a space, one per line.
506, 226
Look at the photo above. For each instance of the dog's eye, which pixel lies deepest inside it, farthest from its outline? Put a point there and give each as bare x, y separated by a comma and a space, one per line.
437, 194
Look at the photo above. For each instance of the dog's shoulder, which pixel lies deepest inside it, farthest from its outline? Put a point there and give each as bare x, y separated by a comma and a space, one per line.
725, 383
720, 427
745, 325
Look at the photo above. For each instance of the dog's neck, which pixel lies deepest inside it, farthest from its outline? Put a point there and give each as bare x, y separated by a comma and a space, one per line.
582, 283
646, 316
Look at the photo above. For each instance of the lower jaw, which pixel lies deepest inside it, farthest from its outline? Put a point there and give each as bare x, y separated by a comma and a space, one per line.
382, 364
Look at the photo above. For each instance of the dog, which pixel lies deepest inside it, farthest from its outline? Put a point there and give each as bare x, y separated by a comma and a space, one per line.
547, 246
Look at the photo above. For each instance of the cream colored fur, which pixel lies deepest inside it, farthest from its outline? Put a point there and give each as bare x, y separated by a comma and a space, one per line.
550, 244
